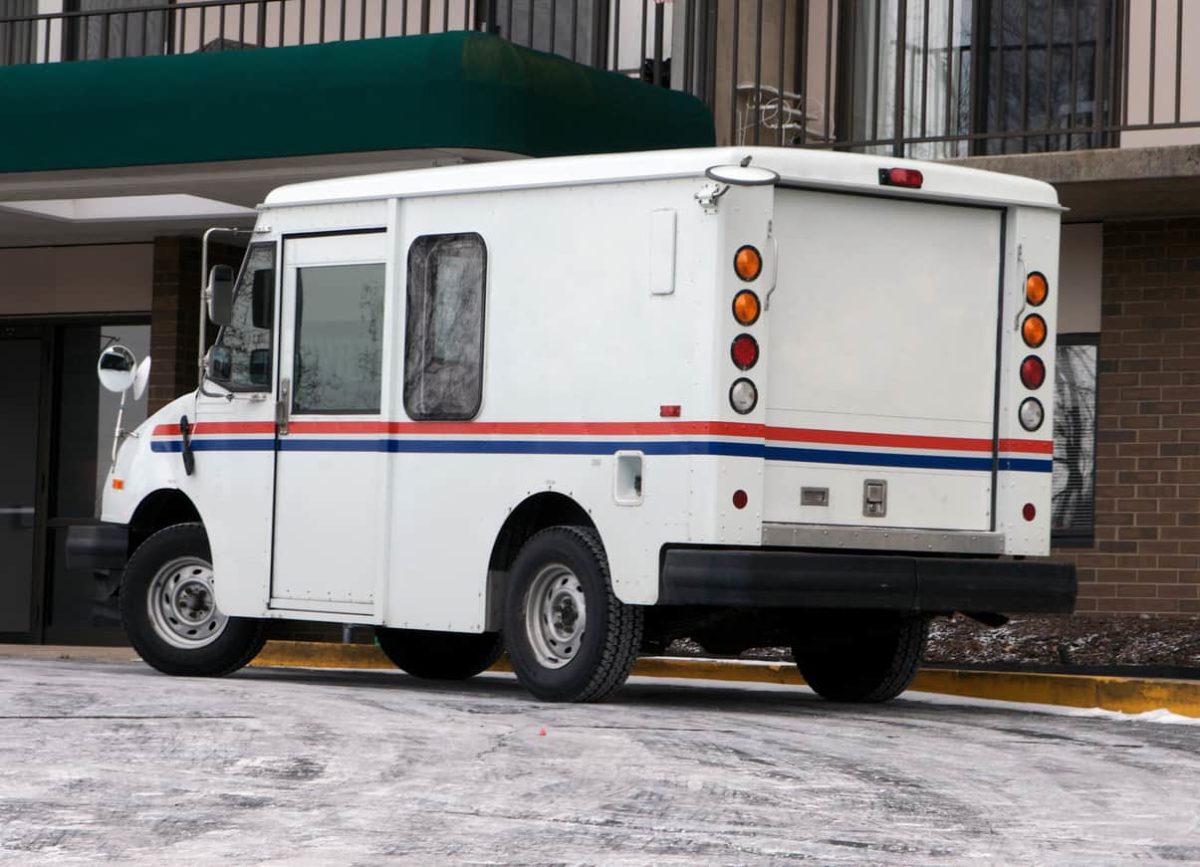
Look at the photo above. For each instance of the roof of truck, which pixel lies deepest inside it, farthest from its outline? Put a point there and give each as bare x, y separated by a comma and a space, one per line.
807, 167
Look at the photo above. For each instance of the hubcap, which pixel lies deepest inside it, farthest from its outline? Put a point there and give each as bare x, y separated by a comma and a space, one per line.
181, 604
555, 615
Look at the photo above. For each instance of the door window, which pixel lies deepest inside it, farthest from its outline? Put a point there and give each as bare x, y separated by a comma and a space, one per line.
443, 362
339, 339
241, 359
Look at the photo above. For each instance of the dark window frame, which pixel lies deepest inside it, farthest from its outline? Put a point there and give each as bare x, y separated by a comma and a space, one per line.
1083, 537
408, 312
272, 347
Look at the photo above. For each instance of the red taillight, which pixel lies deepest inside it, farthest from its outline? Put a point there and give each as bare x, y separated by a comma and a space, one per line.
670, 410
740, 499
1033, 372
901, 178
1029, 512
744, 351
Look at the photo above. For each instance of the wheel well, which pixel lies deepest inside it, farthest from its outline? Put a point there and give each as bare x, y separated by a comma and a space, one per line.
547, 509
160, 509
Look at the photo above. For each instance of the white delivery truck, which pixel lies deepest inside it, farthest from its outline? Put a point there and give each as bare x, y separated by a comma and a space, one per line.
576, 408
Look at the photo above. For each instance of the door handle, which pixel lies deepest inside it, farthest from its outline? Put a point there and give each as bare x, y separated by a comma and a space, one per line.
283, 407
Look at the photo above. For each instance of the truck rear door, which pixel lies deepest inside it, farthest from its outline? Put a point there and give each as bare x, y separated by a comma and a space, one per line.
883, 362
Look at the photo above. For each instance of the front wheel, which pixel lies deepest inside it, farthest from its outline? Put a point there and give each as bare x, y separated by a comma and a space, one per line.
568, 636
170, 613
440, 655
862, 657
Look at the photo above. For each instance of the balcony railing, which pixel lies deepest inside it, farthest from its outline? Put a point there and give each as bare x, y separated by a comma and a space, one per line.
587, 31
922, 78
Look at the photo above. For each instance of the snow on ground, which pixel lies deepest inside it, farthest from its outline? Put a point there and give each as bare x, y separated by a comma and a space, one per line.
112, 761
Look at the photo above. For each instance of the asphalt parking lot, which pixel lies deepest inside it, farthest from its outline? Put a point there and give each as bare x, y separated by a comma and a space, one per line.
112, 761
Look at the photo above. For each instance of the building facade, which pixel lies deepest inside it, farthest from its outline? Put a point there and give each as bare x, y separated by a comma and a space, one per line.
138, 123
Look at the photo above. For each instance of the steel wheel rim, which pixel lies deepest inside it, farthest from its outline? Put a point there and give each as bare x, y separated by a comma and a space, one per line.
181, 604
555, 615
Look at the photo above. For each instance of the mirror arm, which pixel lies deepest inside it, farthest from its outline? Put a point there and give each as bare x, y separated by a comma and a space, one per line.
117, 430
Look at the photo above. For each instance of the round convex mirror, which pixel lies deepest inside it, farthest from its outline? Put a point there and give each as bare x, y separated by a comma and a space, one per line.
116, 368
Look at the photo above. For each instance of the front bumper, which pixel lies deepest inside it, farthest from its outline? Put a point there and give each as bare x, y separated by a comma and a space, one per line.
783, 578
97, 546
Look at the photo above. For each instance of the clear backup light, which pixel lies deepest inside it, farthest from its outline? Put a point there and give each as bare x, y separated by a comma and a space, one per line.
743, 396
1031, 414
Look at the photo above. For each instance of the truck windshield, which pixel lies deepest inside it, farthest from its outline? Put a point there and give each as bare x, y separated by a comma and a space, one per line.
241, 359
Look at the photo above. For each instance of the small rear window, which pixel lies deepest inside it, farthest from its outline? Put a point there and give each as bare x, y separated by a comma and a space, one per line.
443, 360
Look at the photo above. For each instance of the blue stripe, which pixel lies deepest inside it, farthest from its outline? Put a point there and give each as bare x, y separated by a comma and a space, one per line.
1026, 465
879, 459
601, 447
211, 445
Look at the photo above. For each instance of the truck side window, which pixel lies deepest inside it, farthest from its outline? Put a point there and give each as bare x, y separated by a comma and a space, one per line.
443, 361
339, 339
241, 359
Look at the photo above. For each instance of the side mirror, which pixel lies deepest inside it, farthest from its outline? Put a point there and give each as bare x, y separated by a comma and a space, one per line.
141, 378
262, 302
260, 366
220, 363
116, 368
219, 294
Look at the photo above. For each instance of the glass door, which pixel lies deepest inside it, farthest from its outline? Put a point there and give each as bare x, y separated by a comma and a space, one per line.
23, 363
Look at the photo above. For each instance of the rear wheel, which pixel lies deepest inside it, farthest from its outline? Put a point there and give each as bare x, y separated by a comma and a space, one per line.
862, 657
169, 610
568, 636
440, 655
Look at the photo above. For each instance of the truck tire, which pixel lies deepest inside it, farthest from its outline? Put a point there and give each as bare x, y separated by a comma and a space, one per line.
568, 636
874, 661
440, 655
169, 614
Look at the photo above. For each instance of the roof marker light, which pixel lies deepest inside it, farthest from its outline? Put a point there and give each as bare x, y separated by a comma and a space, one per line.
901, 178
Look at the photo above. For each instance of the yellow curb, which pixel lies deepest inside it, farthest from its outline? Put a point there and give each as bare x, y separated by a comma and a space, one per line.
1123, 694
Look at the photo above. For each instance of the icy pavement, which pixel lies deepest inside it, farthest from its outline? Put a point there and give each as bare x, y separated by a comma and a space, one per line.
111, 761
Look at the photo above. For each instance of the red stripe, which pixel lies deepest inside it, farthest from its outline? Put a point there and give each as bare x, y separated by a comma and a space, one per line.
218, 427
650, 428
855, 438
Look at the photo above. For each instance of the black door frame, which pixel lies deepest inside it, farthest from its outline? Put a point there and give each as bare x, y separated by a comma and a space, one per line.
47, 329
21, 329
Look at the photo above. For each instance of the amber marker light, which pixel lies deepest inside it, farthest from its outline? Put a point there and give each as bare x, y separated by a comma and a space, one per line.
746, 307
747, 262
1033, 329
1036, 288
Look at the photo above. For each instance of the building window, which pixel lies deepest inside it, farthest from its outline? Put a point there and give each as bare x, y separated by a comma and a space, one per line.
339, 339
978, 74
1073, 504
443, 362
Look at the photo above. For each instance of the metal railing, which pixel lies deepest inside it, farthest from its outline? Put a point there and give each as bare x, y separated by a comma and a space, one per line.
587, 31
944, 78
922, 78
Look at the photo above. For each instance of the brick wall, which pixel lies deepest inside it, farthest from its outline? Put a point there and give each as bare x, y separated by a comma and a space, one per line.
1146, 558
175, 312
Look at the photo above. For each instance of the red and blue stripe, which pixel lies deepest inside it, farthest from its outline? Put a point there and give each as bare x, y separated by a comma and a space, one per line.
730, 439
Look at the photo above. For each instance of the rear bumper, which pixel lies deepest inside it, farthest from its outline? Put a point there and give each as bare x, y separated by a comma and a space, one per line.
781, 578
97, 546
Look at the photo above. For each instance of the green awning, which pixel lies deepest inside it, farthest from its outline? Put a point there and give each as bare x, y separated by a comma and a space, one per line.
452, 90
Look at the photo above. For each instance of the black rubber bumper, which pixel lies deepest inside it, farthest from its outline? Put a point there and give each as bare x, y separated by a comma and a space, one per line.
97, 546
774, 578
